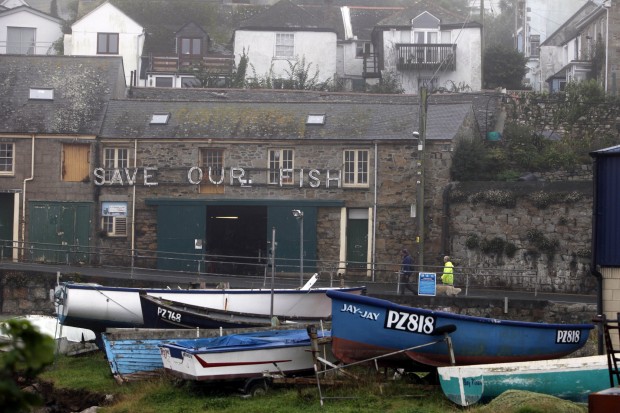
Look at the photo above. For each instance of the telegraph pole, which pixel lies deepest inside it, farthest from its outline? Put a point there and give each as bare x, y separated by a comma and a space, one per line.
482, 44
420, 174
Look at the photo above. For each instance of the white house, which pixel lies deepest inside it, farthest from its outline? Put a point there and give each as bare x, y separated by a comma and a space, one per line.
24, 30
426, 45
355, 67
107, 31
579, 49
535, 21
283, 36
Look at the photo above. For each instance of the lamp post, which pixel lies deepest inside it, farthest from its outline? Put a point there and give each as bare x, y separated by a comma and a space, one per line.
299, 215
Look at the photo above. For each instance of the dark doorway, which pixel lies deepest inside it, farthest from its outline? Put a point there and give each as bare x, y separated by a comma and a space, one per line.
236, 239
6, 224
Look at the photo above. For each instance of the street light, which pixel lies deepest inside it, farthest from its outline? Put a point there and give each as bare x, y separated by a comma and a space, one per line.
299, 215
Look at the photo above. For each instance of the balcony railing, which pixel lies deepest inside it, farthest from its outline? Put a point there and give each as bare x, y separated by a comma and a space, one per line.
425, 56
213, 63
27, 48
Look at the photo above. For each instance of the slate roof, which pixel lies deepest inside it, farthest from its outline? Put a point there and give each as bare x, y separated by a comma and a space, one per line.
82, 86
285, 15
364, 19
63, 9
485, 106
402, 19
6, 12
570, 28
247, 120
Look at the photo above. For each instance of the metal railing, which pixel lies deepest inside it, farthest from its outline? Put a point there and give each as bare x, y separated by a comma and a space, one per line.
382, 277
410, 56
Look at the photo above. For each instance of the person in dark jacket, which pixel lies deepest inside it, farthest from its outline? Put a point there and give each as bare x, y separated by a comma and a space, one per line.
406, 270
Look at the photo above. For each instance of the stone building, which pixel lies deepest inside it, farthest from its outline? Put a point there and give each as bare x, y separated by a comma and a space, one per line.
188, 179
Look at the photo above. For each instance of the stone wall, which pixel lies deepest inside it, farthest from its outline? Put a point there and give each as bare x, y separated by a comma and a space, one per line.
533, 234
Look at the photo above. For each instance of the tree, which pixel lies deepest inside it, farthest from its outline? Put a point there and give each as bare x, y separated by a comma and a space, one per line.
498, 28
28, 353
503, 67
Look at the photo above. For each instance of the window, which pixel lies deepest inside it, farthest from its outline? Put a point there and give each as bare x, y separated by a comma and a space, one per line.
114, 159
160, 118
7, 158
191, 46
75, 162
318, 119
107, 43
362, 49
41, 94
356, 167
285, 45
21, 40
161, 81
214, 159
281, 166
535, 45
114, 219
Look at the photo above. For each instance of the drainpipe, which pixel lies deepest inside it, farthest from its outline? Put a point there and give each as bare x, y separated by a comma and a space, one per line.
374, 217
24, 195
133, 205
594, 267
607, 6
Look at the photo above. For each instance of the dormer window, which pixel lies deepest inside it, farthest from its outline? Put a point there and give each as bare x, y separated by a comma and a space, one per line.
425, 29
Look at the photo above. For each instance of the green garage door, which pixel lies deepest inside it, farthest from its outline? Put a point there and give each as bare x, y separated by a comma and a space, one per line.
181, 231
59, 231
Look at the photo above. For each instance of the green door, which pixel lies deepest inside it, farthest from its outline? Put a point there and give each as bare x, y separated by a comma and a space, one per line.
357, 243
6, 224
59, 231
181, 231
288, 239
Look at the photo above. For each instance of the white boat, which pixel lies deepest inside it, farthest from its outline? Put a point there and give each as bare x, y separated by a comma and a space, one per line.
69, 340
242, 356
98, 307
567, 378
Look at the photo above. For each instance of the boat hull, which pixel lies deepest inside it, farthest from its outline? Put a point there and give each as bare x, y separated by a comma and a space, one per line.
99, 307
569, 378
198, 360
158, 313
378, 327
133, 353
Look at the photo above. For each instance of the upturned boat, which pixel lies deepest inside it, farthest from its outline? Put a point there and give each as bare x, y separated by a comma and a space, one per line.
568, 378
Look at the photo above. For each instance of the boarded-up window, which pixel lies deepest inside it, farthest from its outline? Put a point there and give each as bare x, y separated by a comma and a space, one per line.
75, 162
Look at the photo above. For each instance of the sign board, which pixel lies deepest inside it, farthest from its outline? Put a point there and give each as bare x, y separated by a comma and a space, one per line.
427, 283
114, 209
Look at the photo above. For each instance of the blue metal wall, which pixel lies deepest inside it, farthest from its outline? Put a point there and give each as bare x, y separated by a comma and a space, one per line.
606, 247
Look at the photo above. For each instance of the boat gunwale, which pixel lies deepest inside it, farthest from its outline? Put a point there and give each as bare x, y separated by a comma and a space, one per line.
319, 290
378, 302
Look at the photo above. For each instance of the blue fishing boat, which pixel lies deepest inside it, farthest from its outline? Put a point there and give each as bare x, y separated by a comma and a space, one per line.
568, 378
366, 327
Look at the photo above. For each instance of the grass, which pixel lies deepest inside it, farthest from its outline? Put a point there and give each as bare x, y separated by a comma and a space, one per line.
168, 395
369, 394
